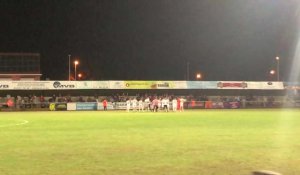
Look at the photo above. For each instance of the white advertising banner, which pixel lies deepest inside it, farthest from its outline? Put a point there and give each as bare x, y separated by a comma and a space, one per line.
180, 84
71, 106
116, 85
272, 85
31, 85
92, 84
5, 85
265, 85
77, 85
59, 85
100, 84
84, 85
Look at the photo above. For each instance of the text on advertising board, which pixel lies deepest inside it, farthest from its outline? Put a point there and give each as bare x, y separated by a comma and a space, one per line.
57, 84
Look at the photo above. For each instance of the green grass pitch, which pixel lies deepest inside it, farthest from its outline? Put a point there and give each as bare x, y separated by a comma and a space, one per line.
206, 142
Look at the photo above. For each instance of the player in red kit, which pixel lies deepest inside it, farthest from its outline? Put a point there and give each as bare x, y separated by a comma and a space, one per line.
178, 104
104, 104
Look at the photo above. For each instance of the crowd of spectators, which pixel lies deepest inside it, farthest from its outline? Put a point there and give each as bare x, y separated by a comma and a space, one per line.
34, 101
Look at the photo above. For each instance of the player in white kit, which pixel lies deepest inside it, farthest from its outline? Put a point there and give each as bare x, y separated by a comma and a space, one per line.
147, 103
128, 105
174, 104
165, 104
141, 105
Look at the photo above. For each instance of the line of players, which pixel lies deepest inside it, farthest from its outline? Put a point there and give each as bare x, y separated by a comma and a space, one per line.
155, 104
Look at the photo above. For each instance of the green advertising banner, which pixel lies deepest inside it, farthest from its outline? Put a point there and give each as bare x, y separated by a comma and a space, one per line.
149, 85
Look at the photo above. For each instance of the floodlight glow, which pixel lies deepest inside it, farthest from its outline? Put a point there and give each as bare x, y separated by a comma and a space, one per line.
75, 65
198, 76
294, 75
295, 67
272, 72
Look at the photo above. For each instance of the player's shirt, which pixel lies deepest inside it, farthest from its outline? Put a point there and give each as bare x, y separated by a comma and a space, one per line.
165, 102
181, 102
174, 102
147, 101
104, 103
140, 102
134, 102
128, 103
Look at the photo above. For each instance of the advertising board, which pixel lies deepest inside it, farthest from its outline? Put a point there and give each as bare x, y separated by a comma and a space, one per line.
110, 106
77, 85
116, 85
31, 85
86, 106
201, 85
59, 85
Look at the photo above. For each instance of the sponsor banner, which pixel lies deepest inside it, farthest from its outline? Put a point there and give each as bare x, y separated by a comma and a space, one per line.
92, 85
86, 106
250, 85
265, 85
61, 106
163, 85
120, 105
58, 106
149, 84
217, 105
110, 106
201, 84
63, 85
84, 85
30, 85
5, 85
140, 84
116, 85
71, 106
100, 85
231, 105
272, 85
67, 85
254, 85
232, 85
193, 105
155, 84
180, 84
234, 105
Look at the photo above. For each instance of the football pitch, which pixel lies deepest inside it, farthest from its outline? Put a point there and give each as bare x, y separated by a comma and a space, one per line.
206, 142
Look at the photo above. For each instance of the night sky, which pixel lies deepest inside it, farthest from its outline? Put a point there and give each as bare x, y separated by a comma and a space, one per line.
153, 39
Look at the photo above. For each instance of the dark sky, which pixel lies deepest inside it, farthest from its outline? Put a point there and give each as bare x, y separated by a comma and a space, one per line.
153, 39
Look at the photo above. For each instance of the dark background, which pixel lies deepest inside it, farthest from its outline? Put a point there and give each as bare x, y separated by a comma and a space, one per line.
154, 39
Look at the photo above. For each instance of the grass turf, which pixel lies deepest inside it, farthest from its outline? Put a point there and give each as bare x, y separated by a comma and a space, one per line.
221, 142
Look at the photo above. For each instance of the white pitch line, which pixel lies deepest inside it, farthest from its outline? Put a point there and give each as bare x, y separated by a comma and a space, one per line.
24, 122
